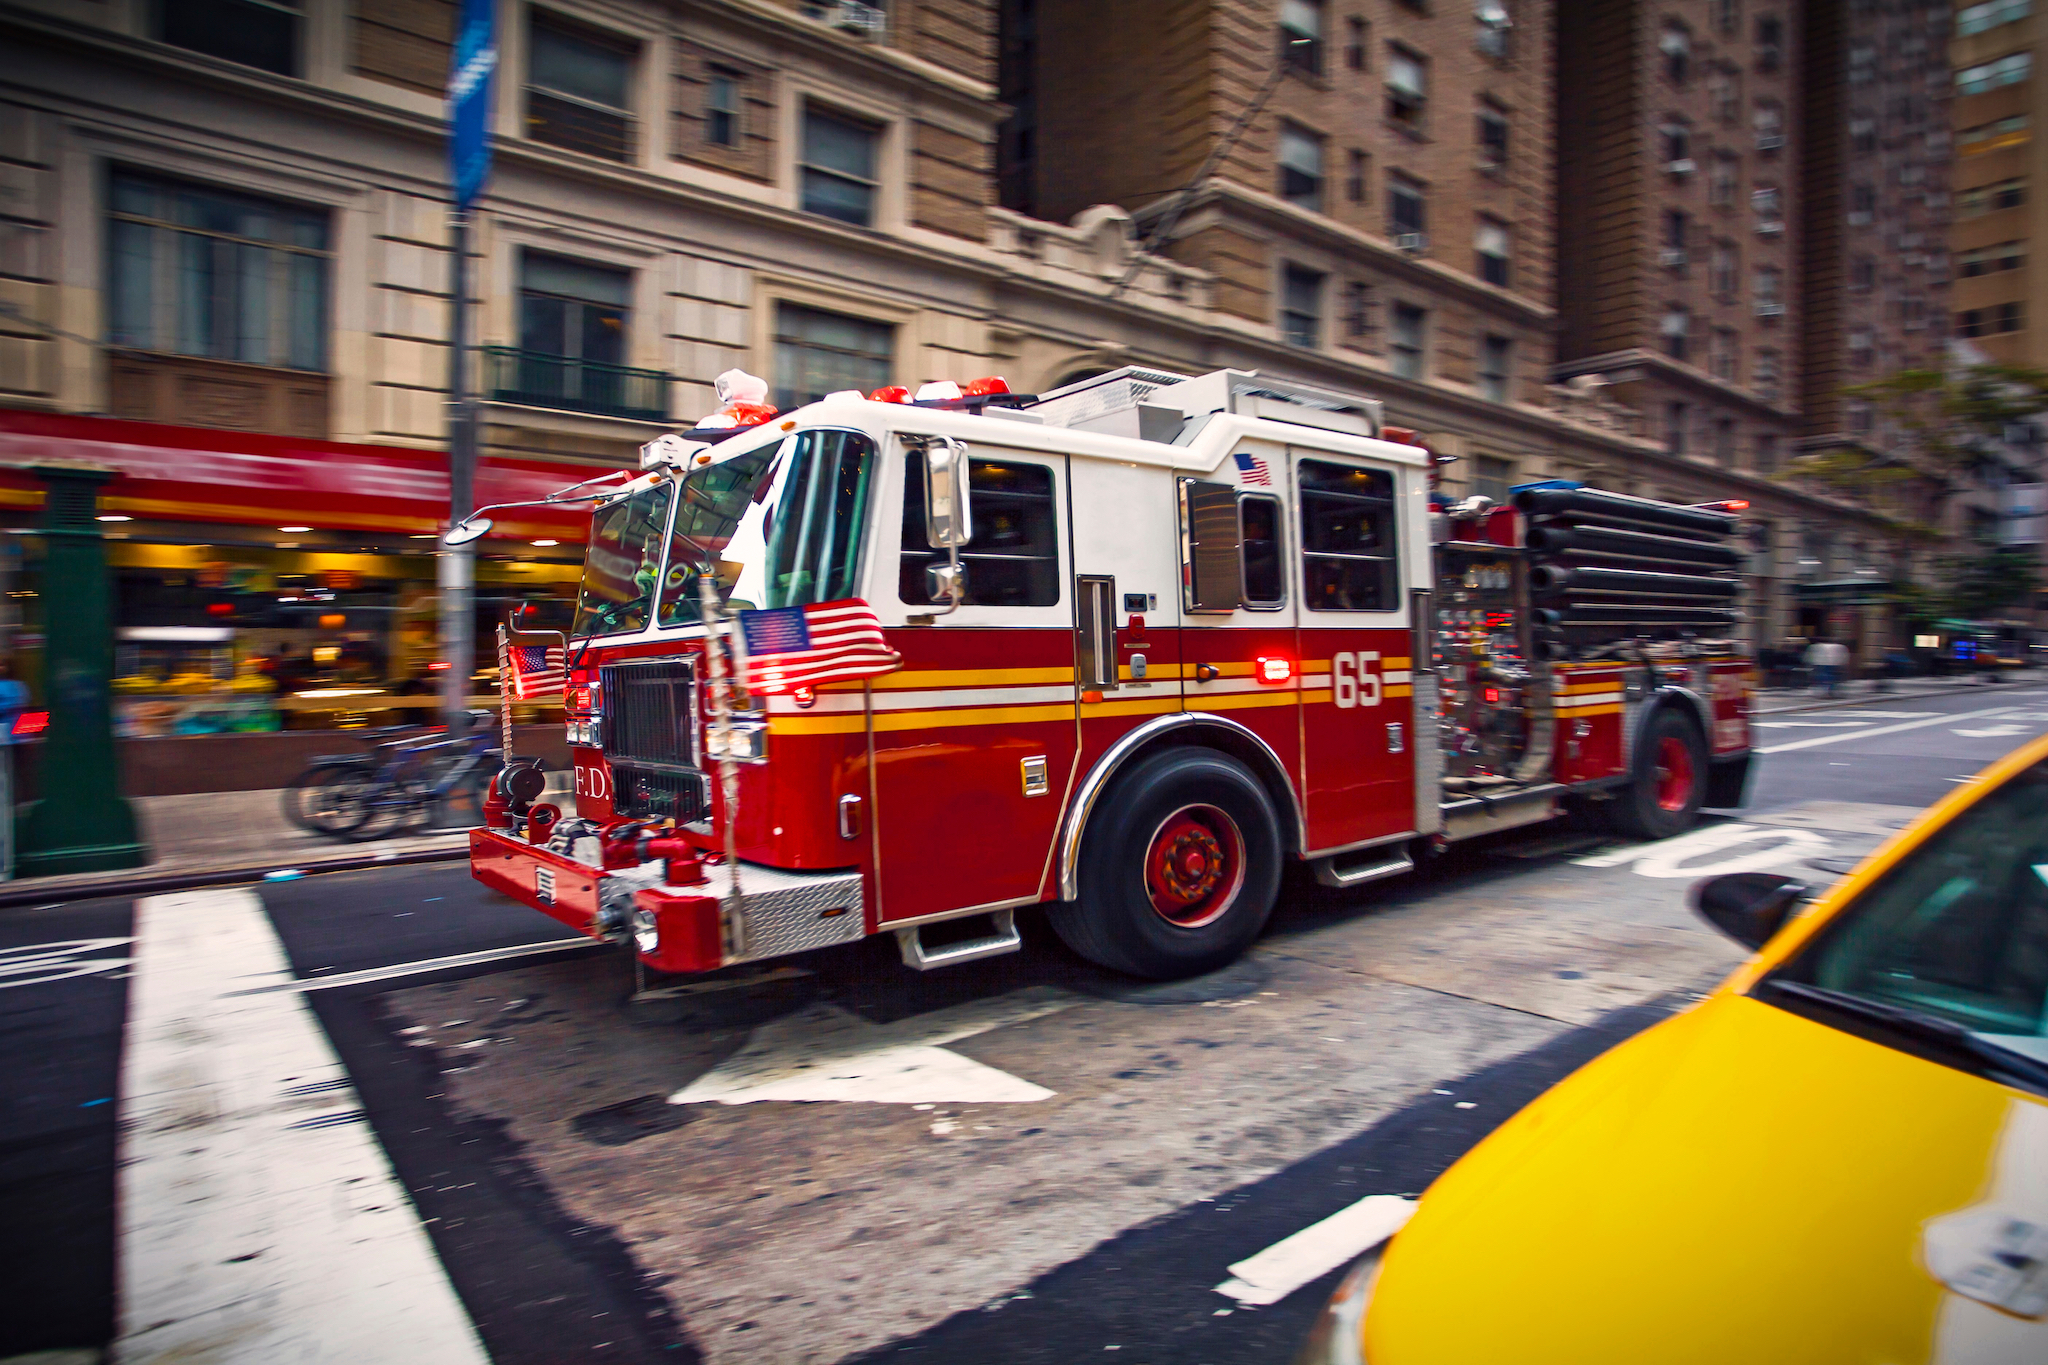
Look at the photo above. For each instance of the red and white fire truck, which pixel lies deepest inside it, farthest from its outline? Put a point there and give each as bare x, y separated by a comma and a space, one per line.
1159, 638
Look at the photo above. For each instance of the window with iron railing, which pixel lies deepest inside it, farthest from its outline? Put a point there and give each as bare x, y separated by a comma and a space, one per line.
574, 327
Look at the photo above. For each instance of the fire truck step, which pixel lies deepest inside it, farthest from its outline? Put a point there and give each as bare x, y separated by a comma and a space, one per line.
1004, 940
1376, 863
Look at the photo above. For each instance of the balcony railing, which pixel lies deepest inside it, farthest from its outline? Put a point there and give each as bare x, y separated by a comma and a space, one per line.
554, 381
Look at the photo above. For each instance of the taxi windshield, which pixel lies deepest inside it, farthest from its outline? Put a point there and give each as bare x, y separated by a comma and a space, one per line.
778, 527
620, 568
1956, 934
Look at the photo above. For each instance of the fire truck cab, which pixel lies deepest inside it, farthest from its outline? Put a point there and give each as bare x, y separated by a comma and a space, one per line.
1159, 636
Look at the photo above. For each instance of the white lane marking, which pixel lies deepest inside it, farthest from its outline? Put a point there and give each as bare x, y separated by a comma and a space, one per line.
36, 964
1882, 730
1671, 857
1891, 715
423, 966
1991, 732
825, 1053
259, 1218
1317, 1249
1805, 724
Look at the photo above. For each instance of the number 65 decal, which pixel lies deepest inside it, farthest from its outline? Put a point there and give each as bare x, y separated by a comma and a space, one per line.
1351, 676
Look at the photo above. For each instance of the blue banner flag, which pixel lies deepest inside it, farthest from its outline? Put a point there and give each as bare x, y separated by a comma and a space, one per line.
469, 100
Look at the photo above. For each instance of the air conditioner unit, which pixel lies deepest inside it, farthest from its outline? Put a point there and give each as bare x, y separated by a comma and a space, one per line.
1770, 227
853, 17
1415, 242
1671, 257
1683, 166
1769, 142
1770, 310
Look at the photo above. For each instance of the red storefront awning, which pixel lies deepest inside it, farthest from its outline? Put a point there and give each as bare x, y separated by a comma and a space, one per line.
173, 473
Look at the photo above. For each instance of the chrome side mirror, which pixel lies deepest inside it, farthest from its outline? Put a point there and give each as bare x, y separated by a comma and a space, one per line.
948, 521
463, 532
1749, 907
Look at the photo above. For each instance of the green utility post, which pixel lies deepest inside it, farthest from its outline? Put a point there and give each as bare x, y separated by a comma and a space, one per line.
82, 823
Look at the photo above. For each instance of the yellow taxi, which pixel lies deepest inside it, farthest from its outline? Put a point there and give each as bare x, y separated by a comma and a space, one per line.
1841, 1156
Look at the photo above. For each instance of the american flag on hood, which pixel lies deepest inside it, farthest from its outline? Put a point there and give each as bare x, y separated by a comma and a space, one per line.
536, 671
1252, 470
792, 647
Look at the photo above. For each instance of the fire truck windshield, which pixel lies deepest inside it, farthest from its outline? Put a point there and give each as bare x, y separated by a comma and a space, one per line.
781, 526
619, 572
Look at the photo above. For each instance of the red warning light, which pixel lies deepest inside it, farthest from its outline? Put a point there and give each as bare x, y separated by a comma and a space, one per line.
983, 387
31, 723
1492, 694
220, 609
1273, 669
890, 393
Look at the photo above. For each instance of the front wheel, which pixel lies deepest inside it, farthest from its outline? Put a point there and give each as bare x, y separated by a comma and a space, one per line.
1180, 866
1668, 780
330, 799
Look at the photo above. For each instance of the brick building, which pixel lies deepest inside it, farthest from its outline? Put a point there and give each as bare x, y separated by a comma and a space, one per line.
1999, 296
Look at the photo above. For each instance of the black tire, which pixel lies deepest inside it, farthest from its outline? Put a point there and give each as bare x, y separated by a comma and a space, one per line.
1659, 800
328, 800
1201, 804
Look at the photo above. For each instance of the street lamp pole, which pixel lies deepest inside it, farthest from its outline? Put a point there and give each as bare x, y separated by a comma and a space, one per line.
458, 562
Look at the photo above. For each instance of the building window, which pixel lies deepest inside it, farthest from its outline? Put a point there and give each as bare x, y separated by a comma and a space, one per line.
1769, 121
1358, 310
577, 92
1725, 183
1495, 26
1992, 137
1357, 42
1863, 135
573, 311
1861, 421
1994, 14
1861, 344
1301, 35
1989, 260
1770, 291
722, 109
1727, 15
1862, 205
1492, 477
1766, 453
1676, 45
1769, 207
1863, 274
1358, 177
1493, 137
1405, 212
1490, 242
1724, 92
1301, 167
1768, 380
817, 353
1677, 331
1727, 270
1675, 138
1349, 558
1676, 418
1770, 42
1676, 229
839, 168
259, 33
1301, 306
1407, 87
211, 273
1495, 355
1725, 347
1724, 442
2010, 69
2006, 194
1993, 321
1406, 353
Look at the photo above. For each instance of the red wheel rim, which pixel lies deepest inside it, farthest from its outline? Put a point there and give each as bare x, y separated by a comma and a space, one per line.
1674, 774
1194, 866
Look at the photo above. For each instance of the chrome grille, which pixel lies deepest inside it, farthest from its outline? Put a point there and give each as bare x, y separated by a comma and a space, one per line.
651, 739
638, 791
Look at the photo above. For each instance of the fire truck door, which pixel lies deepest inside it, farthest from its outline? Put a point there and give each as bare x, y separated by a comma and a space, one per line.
1357, 753
973, 738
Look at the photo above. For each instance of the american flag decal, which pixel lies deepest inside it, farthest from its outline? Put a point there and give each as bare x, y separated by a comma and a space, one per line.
536, 671
825, 642
1252, 470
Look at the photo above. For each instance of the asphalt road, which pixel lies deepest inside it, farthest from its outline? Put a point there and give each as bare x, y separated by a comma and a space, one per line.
1019, 1160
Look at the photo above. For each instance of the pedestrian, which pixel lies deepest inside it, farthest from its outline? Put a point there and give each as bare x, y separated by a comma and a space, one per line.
1826, 658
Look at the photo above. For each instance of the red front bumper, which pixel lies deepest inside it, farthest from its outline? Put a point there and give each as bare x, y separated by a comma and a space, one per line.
688, 932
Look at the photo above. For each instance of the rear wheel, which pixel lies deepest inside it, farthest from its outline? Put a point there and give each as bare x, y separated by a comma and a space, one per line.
1180, 866
331, 800
1669, 780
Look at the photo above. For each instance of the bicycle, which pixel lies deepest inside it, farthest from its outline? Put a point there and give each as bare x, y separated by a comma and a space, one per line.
360, 798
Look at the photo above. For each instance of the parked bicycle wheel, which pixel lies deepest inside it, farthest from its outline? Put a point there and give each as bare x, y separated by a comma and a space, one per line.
331, 800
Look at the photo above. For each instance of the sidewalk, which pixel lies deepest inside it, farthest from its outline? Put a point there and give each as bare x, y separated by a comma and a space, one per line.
1773, 700
216, 838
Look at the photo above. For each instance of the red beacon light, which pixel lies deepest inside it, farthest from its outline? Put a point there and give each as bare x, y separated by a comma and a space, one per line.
1726, 505
1273, 668
890, 393
746, 402
31, 723
982, 388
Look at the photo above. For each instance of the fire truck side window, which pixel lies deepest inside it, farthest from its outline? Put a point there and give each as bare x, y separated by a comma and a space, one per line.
1258, 519
1014, 558
624, 559
1348, 547
814, 548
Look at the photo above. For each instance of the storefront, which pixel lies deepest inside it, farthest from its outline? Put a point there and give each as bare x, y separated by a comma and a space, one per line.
268, 583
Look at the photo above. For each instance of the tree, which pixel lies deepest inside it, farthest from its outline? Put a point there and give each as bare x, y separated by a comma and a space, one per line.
1994, 579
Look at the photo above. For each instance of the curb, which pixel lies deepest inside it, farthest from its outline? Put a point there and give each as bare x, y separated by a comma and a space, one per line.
1880, 697
27, 893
